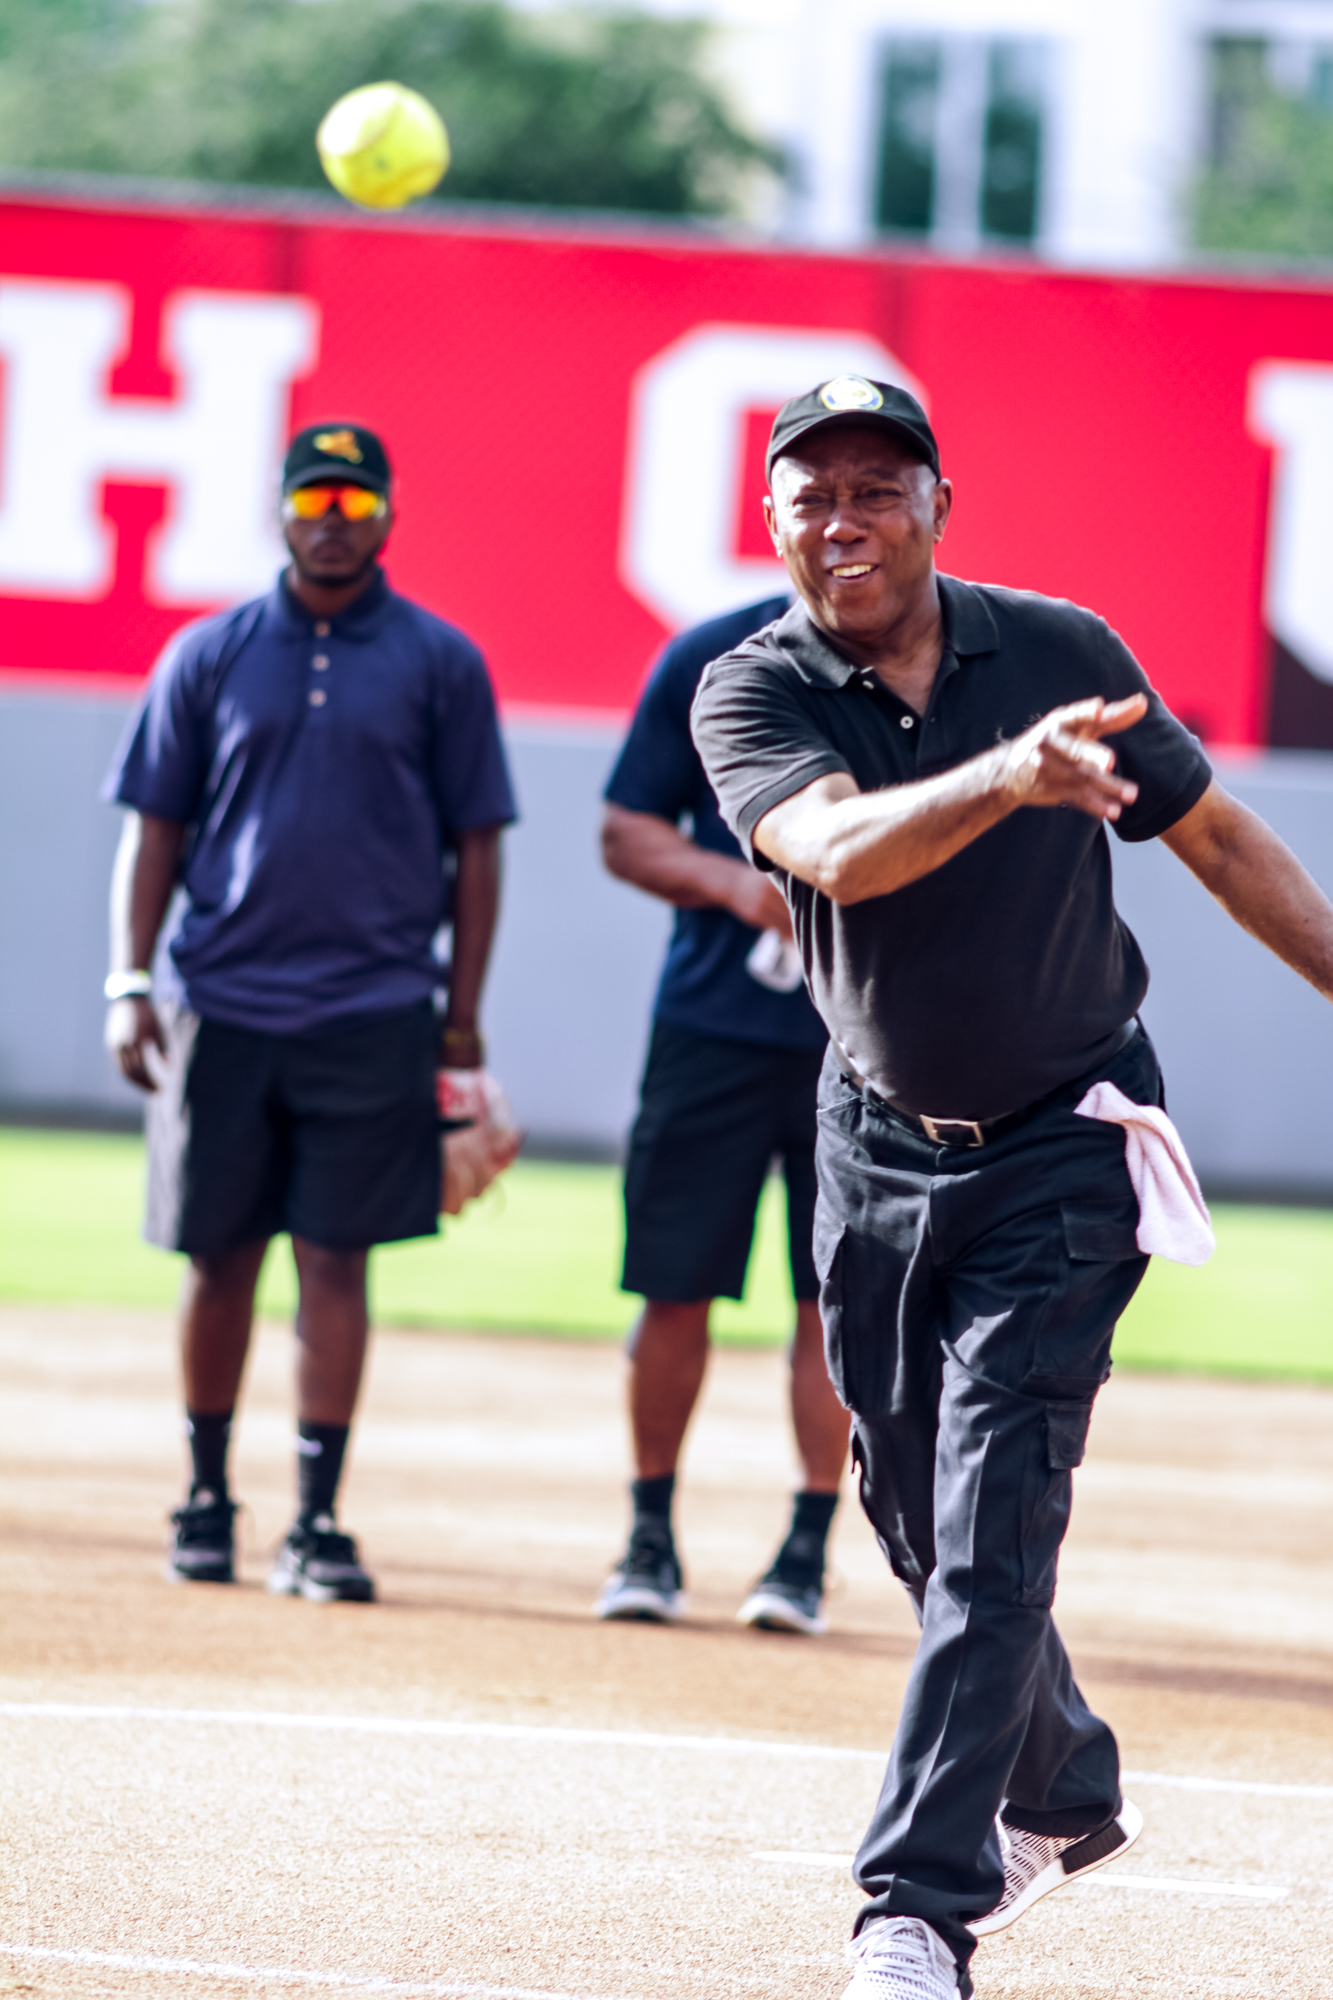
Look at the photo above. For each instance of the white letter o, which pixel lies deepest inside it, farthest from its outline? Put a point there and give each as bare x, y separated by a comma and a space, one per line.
684, 462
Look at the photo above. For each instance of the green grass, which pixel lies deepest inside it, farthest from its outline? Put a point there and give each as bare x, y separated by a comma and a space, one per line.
541, 1253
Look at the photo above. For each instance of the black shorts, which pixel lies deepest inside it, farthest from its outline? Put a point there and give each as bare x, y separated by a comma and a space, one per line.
331, 1136
713, 1115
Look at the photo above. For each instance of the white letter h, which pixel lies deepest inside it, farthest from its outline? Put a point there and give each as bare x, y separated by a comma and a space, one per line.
218, 446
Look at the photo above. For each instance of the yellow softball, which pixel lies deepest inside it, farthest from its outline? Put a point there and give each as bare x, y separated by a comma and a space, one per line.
383, 145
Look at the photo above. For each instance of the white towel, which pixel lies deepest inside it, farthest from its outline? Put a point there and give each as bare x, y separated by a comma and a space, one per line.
1173, 1215
775, 962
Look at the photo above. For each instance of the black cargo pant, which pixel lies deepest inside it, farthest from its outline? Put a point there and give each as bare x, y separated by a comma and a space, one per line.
969, 1298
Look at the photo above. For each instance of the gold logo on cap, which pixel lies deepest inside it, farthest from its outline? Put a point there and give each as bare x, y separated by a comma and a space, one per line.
339, 444
850, 392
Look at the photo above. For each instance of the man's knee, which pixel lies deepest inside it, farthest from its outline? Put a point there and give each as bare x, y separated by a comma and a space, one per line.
331, 1271
998, 1532
807, 1345
227, 1273
680, 1325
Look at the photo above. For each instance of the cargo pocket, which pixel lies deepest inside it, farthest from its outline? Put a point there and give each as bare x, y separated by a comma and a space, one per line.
1058, 1444
830, 1261
1066, 1434
859, 1285
1099, 1273
1100, 1235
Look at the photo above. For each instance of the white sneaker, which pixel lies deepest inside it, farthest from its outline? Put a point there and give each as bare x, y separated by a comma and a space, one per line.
1035, 1864
902, 1958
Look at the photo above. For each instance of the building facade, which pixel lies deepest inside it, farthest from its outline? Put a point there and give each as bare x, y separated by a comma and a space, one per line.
1069, 129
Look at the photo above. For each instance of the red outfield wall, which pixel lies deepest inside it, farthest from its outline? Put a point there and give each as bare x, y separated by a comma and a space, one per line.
576, 421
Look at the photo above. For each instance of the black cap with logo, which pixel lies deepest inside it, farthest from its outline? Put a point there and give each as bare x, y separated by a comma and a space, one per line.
855, 399
336, 455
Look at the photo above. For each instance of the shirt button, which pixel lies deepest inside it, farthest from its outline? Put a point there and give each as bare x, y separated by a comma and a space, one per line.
906, 721
320, 661
322, 629
317, 697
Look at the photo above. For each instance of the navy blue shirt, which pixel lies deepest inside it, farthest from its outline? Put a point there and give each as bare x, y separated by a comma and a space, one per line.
326, 769
704, 983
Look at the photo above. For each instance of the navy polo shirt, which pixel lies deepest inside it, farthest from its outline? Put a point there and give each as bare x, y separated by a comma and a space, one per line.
704, 983
325, 768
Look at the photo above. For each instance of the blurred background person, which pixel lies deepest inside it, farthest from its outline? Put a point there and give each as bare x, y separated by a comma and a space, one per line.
729, 1087
311, 768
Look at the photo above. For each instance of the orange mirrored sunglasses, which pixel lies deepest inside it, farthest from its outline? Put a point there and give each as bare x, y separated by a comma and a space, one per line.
354, 503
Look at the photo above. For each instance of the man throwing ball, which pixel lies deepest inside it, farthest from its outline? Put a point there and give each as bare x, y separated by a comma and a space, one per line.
321, 772
929, 768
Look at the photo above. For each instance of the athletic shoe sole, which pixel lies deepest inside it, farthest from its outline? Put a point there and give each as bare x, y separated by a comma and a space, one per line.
213, 1573
282, 1583
648, 1607
771, 1612
1080, 1859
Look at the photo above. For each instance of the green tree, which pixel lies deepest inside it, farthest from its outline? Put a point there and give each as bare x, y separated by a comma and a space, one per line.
589, 109
1269, 188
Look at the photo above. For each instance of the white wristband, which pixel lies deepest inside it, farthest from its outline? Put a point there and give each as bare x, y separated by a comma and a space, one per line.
128, 985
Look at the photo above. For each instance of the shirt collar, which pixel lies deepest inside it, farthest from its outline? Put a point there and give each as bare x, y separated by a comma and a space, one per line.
360, 620
969, 622
969, 627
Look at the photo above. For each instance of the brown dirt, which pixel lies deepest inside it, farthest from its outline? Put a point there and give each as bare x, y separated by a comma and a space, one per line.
487, 1490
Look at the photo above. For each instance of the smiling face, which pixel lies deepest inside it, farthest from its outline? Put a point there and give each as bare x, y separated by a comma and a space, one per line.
332, 553
855, 517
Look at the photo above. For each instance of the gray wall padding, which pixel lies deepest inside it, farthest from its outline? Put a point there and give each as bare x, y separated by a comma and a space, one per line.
1246, 1045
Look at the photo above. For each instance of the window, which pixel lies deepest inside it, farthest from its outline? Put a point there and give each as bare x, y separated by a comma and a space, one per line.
906, 194
1011, 173
960, 139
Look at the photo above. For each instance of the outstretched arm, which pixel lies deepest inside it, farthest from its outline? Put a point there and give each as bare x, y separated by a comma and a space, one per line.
650, 852
1258, 881
852, 844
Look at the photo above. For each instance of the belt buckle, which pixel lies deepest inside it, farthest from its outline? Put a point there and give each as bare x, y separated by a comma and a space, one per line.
932, 1127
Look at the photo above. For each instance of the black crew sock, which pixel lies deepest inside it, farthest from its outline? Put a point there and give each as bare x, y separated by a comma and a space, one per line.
803, 1551
209, 1433
319, 1465
652, 1499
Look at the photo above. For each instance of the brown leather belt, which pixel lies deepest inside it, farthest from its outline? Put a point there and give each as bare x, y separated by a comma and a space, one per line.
971, 1133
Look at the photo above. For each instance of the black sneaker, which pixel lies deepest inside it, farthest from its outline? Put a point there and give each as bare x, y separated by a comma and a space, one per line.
201, 1547
318, 1562
790, 1597
647, 1583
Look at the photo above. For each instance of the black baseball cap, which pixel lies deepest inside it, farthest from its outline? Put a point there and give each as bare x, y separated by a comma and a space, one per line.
341, 454
854, 399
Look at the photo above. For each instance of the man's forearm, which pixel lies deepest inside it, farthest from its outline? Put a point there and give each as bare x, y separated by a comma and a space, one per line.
655, 856
476, 906
142, 880
851, 845
1259, 883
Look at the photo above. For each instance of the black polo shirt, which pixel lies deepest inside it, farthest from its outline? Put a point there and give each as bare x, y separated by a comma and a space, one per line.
1007, 971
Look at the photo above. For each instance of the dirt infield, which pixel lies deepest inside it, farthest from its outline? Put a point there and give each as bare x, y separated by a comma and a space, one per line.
472, 1788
